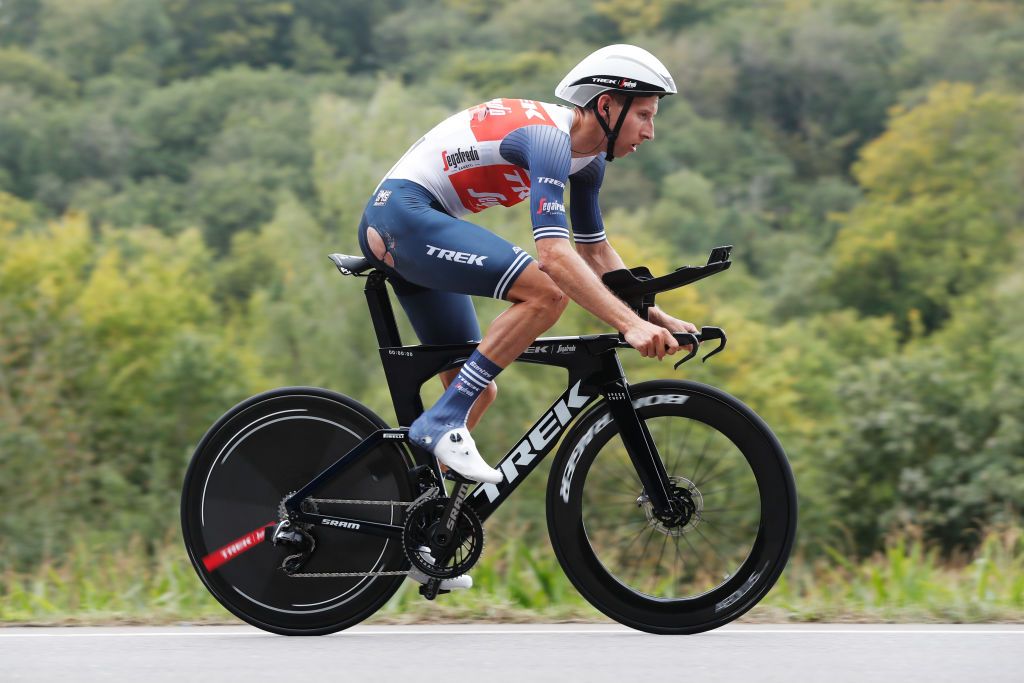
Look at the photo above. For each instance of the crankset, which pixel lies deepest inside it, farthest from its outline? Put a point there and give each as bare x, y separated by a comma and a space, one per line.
442, 537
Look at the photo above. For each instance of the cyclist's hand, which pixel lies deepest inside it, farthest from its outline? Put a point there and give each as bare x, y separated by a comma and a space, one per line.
675, 325
650, 340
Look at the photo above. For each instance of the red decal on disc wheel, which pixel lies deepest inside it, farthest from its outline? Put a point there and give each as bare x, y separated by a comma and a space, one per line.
236, 547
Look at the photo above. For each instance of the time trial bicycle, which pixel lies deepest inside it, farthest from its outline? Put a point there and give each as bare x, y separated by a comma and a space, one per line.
671, 506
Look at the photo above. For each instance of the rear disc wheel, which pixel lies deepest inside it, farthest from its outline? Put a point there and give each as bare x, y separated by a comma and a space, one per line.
253, 458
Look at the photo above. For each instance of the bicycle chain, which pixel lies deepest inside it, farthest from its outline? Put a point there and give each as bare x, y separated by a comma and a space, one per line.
359, 502
430, 493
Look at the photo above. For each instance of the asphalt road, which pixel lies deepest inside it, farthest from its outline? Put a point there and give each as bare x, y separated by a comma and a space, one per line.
534, 652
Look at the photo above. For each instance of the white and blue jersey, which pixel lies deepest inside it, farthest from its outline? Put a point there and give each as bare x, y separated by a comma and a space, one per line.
500, 152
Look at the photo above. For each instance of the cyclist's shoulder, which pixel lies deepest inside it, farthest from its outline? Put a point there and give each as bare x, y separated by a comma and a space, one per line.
496, 118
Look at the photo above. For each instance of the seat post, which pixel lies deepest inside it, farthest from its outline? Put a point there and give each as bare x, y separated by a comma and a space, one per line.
381, 312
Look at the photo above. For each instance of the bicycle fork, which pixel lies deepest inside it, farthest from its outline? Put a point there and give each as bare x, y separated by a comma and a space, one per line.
640, 446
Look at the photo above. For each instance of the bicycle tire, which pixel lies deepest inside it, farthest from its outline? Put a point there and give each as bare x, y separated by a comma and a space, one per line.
259, 452
721, 573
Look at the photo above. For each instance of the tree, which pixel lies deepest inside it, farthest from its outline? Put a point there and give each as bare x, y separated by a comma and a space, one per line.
932, 438
19, 21
112, 364
943, 200
22, 69
221, 33
88, 38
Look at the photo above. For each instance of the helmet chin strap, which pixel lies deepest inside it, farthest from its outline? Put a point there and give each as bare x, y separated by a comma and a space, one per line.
613, 135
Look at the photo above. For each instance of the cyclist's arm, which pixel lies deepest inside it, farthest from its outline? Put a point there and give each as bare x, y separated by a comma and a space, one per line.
602, 257
574, 277
545, 151
579, 281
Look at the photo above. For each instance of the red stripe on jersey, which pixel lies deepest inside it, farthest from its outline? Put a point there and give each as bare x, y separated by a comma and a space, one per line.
486, 186
495, 119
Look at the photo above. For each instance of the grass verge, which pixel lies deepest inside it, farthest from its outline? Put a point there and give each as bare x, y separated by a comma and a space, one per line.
522, 582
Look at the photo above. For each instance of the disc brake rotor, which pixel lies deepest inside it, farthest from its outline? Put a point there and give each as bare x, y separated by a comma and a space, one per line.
687, 504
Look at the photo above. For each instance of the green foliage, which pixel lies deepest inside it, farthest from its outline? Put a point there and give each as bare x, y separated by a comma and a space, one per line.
22, 69
350, 156
218, 34
88, 38
518, 581
19, 21
943, 199
173, 172
907, 581
111, 363
933, 437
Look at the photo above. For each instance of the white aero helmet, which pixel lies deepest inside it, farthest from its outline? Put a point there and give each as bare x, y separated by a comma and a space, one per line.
622, 68
627, 69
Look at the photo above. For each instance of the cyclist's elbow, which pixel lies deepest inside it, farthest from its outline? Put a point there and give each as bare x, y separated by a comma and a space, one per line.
552, 254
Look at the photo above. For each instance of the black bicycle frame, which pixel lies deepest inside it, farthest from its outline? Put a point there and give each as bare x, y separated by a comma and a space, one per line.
593, 369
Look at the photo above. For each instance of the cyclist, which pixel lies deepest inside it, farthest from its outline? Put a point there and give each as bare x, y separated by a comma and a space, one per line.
503, 152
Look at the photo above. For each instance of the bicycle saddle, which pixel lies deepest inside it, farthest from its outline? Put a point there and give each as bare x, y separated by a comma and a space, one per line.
351, 265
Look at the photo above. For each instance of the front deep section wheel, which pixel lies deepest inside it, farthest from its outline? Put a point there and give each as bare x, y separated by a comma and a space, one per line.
247, 464
719, 548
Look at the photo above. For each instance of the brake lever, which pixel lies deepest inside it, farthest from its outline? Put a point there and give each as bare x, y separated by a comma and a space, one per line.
713, 333
706, 333
694, 342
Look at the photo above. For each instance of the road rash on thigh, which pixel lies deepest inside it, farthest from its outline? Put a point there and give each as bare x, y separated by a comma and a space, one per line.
380, 248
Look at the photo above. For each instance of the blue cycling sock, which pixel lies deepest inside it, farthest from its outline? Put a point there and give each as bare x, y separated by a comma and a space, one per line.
452, 409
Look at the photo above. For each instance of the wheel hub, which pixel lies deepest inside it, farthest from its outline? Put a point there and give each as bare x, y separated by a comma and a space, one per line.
685, 507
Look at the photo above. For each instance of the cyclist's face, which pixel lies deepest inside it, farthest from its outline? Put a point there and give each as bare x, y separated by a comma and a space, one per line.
638, 126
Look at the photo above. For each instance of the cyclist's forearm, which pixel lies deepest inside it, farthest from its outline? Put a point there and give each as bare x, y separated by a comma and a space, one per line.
601, 257
581, 284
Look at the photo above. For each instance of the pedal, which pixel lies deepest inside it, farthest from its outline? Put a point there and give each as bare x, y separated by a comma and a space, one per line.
452, 475
431, 589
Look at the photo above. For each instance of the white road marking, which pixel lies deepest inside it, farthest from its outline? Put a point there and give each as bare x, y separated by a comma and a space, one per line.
477, 632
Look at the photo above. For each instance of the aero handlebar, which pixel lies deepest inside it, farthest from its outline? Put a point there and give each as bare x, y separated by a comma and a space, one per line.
637, 287
692, 340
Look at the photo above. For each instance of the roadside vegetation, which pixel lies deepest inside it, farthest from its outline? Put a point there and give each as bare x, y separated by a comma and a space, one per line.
174, 172
517, 581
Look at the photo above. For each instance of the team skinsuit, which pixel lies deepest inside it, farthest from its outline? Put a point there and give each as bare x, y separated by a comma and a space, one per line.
499, 152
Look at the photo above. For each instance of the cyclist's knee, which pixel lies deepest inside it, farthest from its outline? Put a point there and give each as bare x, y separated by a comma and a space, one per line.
552, 302
536, 289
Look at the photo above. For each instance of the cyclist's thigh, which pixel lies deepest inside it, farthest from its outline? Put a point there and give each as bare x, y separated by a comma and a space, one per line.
437, 251
438, 317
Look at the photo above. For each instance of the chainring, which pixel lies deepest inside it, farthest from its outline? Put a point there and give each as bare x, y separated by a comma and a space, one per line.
464, 549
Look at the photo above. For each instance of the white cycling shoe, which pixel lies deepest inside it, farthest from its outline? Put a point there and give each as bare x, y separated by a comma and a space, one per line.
457, 583
457, 450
